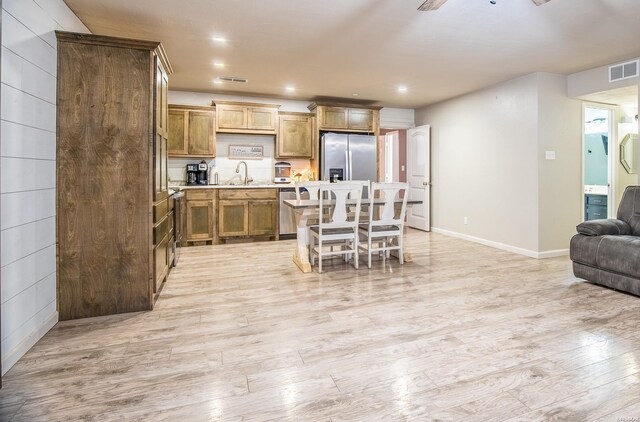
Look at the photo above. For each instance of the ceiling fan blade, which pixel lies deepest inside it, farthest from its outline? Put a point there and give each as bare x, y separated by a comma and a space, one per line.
433, 5
540, 2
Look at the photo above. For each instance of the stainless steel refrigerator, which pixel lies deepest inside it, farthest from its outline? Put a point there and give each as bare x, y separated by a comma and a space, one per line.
347, 156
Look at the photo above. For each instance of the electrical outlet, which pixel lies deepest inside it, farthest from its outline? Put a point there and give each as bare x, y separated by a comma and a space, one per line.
402, 168
466, 220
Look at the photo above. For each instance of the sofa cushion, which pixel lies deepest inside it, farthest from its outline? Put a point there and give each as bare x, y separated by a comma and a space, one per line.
603, 227
629, 209
620, 254
584, 249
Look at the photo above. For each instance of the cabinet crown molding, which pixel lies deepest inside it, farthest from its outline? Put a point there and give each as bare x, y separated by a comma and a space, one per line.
241, 103
317, 104
191, 107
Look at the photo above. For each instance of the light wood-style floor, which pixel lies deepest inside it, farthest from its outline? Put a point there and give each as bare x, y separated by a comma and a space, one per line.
465, 332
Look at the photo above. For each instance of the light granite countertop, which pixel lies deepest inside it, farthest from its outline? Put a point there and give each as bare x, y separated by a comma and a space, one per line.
249, 186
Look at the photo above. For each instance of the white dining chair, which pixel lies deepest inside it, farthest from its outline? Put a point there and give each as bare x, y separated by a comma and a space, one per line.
311, 186
366, 188
341, 228
385, 224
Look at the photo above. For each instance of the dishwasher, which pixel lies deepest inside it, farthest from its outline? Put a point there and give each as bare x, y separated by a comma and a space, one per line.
288, 228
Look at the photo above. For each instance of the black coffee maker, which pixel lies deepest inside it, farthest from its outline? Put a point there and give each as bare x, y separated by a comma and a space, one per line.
192, 174
203, 169
197, 174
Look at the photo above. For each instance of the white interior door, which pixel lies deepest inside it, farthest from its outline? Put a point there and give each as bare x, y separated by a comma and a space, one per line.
419, 177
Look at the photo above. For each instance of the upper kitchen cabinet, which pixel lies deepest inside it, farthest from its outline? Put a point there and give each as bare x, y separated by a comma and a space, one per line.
294, 135
234, 117
346, 117
112, 226
192, 131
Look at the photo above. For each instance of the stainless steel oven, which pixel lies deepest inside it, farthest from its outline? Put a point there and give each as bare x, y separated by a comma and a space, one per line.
179, 210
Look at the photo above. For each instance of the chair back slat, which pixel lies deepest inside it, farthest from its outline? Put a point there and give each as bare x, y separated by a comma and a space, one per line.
311, 186
344, 196
389, 192
365, 187
388, 212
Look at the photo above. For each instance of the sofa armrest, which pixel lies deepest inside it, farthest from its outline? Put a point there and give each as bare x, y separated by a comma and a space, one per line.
609, 226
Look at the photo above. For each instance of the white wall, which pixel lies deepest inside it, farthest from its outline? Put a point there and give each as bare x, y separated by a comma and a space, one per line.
27, 157
488, 165
484, 164
397, 118
559, 180
596, 80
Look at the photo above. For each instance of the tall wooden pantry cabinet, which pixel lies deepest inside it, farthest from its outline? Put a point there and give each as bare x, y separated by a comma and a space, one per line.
112, 200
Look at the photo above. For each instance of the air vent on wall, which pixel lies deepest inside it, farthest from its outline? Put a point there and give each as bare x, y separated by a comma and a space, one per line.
624, 71
232, 79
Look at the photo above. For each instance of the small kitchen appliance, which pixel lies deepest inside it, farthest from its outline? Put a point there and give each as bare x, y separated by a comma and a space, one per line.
283, 172
203, 173
192, 174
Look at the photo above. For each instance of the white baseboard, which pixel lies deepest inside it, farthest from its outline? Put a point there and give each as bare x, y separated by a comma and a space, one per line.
503, 246
553, 254
11, 357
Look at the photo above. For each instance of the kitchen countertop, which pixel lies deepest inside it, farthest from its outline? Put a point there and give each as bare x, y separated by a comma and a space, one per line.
251, 186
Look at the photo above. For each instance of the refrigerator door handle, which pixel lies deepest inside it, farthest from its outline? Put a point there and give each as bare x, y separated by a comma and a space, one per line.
350, 165
347, 165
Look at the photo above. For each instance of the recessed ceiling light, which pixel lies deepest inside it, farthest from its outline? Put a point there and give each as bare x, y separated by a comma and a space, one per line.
290, 88
220, 39
355, 95
218, 64
217, 81
402, 89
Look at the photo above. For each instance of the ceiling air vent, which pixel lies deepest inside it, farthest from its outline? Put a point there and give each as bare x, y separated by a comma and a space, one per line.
233, 79
624, 71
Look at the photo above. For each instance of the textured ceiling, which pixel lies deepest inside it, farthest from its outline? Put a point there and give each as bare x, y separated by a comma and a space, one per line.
337, 48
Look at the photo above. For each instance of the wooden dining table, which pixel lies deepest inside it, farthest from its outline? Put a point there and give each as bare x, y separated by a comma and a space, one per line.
305, 208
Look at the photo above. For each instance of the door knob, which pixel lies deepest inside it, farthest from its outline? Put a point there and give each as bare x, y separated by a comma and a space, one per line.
426, 183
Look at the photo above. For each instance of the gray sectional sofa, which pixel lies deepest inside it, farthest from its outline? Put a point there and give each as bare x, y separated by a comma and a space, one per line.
607, 252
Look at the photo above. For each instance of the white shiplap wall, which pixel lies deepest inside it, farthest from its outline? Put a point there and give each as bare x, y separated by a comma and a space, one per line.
27, 161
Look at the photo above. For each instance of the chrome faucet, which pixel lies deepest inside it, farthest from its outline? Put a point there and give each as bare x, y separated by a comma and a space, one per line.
246, 179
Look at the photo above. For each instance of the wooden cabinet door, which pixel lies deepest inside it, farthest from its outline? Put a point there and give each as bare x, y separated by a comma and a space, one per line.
233, 218
360, 119
161, 92
177, 141
199, 220
160, 263
231, 117
262, 118
161, 131
160, 157
201, 133
335, 118
294, 137
263, 218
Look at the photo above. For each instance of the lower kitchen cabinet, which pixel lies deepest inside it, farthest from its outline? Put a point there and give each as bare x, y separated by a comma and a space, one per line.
263, 218
218, 214
201, 215
233, 218
248, 213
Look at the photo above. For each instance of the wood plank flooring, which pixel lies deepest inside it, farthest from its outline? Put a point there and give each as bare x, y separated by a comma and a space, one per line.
465, 332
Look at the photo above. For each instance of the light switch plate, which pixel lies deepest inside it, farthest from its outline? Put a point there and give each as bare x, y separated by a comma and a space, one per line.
549, 155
